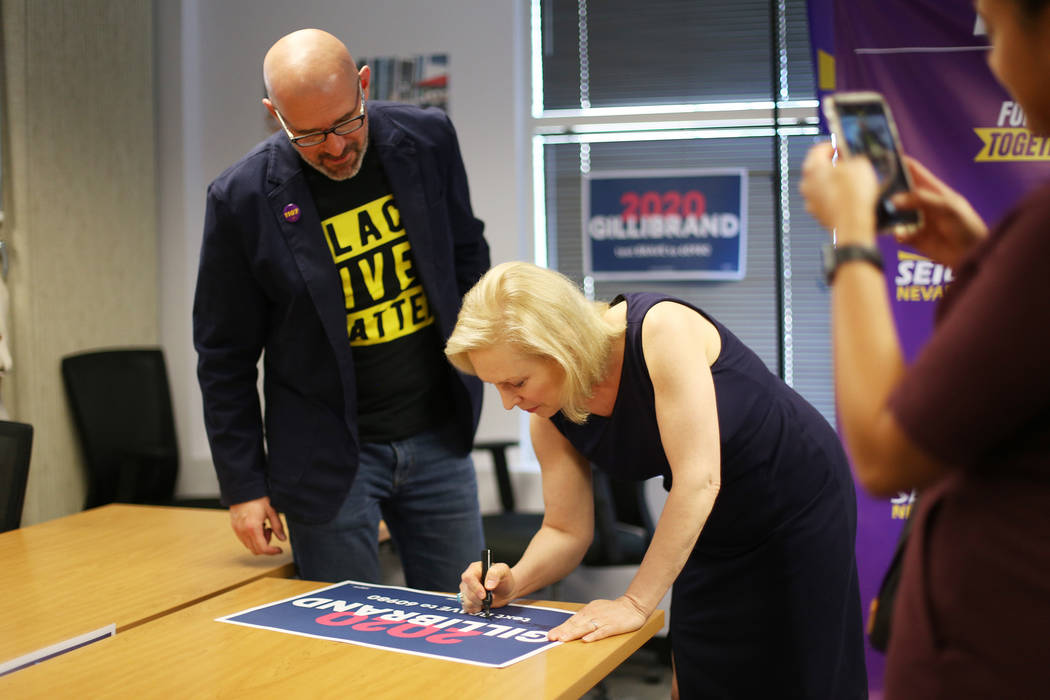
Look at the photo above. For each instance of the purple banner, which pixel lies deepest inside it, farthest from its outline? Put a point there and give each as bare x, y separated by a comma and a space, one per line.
929, 59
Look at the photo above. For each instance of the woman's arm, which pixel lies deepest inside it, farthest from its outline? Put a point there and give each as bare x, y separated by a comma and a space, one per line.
568, 511
567, 530
867, 355
687, 417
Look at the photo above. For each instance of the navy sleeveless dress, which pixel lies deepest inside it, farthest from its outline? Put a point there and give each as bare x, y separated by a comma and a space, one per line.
768, 605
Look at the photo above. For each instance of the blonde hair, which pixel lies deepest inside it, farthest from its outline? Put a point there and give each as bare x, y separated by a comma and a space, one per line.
542, 313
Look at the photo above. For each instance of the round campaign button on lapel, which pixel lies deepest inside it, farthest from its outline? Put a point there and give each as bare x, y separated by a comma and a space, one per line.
291, 212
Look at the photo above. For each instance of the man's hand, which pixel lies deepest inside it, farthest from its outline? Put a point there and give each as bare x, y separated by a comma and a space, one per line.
249, 521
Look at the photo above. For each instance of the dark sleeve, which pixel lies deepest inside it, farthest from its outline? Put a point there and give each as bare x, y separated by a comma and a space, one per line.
470, 247
983, 377
229, 320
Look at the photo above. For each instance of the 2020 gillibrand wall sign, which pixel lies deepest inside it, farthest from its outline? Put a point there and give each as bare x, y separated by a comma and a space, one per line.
665, 224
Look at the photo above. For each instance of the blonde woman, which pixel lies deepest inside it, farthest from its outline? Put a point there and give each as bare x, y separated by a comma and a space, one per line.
757, 533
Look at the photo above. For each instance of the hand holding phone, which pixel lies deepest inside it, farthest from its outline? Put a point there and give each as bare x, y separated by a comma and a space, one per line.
862, 125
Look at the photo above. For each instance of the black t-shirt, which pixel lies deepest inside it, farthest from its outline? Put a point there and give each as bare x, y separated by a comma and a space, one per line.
401, 370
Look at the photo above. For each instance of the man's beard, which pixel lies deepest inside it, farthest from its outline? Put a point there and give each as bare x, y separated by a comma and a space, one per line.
342, 171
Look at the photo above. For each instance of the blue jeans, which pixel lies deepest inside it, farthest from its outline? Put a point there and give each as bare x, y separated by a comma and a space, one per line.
428, 496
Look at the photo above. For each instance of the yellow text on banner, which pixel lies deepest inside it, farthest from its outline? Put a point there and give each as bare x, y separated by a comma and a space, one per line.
1011, 144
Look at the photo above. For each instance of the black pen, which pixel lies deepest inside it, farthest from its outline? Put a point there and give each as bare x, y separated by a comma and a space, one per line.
486, 562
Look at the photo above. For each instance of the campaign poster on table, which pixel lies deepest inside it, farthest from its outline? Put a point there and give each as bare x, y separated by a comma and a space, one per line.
929, 59
669, 225
409, 621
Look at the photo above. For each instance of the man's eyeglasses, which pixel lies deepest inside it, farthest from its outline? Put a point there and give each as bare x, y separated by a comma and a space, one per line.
343, 128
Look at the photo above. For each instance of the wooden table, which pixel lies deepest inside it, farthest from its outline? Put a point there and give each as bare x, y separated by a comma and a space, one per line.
187, 654
118, 564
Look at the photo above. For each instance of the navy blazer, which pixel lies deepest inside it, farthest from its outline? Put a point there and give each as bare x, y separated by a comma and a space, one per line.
267, 285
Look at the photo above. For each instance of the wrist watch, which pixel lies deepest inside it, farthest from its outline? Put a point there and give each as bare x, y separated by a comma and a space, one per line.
837, 255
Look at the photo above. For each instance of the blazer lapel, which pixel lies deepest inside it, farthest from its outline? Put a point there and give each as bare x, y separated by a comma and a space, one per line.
306, 242
397, 153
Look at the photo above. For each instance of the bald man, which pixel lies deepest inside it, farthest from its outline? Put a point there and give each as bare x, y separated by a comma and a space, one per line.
339, 249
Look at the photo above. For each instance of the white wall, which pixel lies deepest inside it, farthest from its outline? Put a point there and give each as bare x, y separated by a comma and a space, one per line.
209, 83
79, 220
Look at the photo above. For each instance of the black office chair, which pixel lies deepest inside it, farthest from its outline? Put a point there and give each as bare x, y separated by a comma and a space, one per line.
16, 445
622, 526
121, 407
508, 532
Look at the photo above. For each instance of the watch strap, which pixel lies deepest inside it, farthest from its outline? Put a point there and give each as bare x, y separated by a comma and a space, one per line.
835, 256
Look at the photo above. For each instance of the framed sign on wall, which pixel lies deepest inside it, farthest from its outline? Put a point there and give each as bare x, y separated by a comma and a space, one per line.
683, 224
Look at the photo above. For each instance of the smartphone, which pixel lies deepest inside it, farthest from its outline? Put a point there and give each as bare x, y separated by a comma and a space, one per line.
862, 125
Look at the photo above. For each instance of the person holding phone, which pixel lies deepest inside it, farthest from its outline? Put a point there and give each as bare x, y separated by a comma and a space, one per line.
757, 534
862, 124
968, 422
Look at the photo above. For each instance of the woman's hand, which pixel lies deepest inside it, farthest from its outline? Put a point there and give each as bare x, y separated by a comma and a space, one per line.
500, 580
842, 196
950, 227
600, 619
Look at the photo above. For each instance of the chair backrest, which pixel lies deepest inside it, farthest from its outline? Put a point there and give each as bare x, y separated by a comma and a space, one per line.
121, 406
16, 445
498, 450
623, 526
